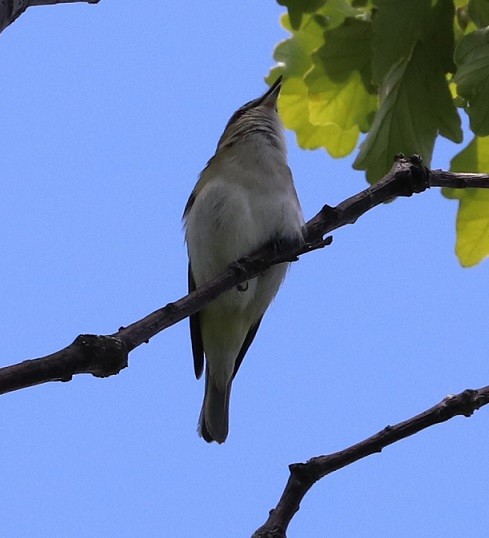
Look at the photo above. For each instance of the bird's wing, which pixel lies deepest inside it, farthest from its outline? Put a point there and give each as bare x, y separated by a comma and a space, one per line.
195, 334
204, 178
246, 344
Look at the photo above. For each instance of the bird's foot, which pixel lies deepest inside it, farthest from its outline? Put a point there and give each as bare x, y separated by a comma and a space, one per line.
239, 267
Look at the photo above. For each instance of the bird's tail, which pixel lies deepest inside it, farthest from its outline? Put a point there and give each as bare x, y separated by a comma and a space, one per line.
214, 416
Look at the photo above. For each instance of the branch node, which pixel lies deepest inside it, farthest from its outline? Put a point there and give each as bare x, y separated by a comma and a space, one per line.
464, 403
171, 308
420, 174
306, 473
103, 355
410, 175
328, 212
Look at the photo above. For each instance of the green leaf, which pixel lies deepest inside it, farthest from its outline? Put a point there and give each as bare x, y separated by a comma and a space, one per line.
296, 102
332, 12
294, 111
339, 83
297, 8
472, 78
479, 12
473, 227
415, 105
295, 53
362, 3
473, 158
438, 36
399, 25
472, 244
328, 96
412, 51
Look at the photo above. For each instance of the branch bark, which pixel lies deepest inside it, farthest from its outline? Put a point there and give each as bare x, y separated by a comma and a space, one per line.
10, 10
304, 475
105, 355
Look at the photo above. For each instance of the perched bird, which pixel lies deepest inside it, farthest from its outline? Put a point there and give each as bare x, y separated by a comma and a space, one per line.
244, 199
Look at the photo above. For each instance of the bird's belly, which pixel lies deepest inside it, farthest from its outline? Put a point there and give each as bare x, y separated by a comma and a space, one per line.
230, 221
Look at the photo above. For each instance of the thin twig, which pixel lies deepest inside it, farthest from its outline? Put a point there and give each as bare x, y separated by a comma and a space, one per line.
304, 475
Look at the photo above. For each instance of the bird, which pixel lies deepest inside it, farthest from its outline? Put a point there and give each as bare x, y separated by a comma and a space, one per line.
244, 199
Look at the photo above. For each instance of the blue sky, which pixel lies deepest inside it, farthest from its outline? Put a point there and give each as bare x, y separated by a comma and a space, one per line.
108, 115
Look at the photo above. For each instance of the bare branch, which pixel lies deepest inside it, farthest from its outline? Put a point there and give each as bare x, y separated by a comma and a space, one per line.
407, 176
440, 178
10, 10
100, 356
304, 475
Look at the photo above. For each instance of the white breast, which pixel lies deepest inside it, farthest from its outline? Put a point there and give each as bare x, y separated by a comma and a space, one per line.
246, 204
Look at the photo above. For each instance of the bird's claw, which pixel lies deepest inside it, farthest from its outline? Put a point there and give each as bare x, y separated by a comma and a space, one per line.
239, 268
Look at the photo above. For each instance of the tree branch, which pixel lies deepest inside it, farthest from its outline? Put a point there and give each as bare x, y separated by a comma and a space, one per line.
10, 10
102, 356
304, 475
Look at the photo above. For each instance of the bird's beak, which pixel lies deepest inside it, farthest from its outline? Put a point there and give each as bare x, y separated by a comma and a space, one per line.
269, 99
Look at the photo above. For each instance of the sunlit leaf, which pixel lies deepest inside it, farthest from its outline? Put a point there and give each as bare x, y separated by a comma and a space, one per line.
337, 53
296, 102
339, 83
297, 8
294, 110
473, 213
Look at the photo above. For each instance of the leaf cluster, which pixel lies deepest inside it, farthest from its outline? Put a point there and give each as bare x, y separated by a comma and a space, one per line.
389, 76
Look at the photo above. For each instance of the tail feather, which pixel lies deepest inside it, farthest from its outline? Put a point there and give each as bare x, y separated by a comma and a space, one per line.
214, 416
